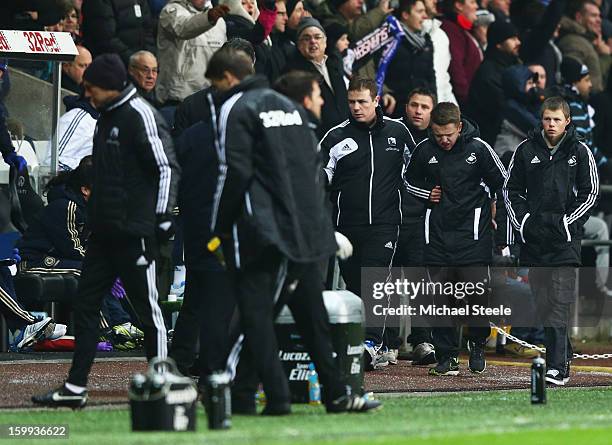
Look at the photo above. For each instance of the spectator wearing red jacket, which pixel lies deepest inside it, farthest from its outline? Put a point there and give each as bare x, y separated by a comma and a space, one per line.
466, 55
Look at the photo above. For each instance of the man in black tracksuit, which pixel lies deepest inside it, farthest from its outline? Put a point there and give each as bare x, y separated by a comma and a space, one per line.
551, 189
134, 186
268, 212
409, 255
454, 171
365, 157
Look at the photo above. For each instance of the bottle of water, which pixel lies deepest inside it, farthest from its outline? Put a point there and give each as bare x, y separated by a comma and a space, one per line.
314, 389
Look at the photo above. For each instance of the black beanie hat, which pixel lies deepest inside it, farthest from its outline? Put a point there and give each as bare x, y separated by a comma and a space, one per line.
307, 22
107, 71
499, 31
291, 4
572, 70
334, 31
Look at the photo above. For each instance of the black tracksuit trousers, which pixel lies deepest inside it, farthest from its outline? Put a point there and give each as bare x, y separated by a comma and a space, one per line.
133, 260
373, 246
446, 330
207, 310
409, 255
302, 291
554, 289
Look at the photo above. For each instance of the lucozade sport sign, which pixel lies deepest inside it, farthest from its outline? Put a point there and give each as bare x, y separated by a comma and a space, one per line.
39, 45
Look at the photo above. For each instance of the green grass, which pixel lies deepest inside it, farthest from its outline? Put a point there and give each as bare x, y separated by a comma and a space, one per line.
572, 416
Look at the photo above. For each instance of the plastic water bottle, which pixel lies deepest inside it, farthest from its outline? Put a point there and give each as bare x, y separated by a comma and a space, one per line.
314, 388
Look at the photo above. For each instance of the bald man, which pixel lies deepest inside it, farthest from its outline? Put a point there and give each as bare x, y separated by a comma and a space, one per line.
72, 72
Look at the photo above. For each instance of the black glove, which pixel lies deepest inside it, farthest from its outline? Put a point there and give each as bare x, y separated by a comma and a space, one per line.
270, 5
164, 228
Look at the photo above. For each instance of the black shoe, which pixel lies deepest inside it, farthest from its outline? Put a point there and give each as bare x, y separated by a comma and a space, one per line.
61, 397
276, 409
555, 377
446, 366
352, 403
423, 354
477, 362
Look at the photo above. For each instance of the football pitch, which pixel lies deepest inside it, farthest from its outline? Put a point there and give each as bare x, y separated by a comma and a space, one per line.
571, 416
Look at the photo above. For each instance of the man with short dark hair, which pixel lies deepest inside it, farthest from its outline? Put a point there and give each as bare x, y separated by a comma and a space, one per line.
303, 88
412, 66
133, 193
455, 174
268, 214
366, 154
410, 245
551, 189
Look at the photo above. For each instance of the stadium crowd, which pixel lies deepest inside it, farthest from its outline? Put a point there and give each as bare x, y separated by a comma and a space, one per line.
377, 89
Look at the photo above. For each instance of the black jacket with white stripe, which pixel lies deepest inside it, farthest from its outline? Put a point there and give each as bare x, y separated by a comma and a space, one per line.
364, 168
136, 174
58, 230
550, 197
458, 228
269, 192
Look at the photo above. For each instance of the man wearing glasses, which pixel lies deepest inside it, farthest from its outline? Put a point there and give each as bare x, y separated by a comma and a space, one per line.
143, 71
311, 57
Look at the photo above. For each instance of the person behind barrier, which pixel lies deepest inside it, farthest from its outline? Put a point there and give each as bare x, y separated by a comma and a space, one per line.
268, 212
551, 189
455, 172
133, 193
56, 240
419, 105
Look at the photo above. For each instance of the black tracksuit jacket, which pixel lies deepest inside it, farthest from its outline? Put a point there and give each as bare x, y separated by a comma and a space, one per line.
268, 192
458, 228
549, 198
135, 170
364, 168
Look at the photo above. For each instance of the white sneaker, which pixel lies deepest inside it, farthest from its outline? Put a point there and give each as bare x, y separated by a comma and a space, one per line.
373, 357
32, 333
58, 332
391, 356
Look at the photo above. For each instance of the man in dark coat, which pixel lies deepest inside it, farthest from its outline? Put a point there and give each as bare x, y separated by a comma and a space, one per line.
311, 57
412, 65
486, 92
118, 26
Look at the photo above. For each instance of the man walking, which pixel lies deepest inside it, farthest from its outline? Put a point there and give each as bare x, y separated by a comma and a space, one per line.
366, 155
456, 172
134, 189
551, 189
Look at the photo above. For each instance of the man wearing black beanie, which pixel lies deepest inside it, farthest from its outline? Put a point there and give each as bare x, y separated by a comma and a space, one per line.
134, 190
486, 92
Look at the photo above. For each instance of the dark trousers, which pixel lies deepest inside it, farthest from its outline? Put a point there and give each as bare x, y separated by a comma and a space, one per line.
445, 332
208, 305
409, 255
373, 246
133, 260
258, 285
554, 290
15, 314
312, 321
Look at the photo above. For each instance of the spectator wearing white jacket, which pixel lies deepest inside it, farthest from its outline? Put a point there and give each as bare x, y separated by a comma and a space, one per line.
188, 35
441, 53
76, 130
